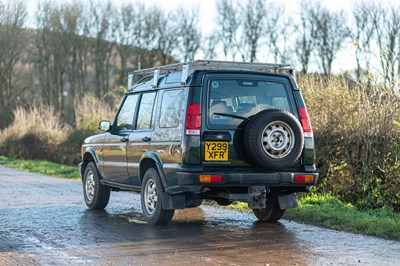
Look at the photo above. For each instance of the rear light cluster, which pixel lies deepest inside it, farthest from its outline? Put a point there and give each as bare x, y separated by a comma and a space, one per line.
210, 178
193, 120
305, 122
304, 178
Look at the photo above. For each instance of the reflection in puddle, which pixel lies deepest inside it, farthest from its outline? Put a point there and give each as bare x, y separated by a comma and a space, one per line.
203, 235
190, 215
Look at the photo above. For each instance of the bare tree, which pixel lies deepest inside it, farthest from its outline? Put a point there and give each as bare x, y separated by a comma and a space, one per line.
60, 53
70, 25
50, 65
386, 22
362, 34
255, 14
189, 33
209, 48
304, 39
278, 29
329, 36
84, 51
166, 36
229, 23
149, 35
154, 35
103, 30
12, 42
125, 33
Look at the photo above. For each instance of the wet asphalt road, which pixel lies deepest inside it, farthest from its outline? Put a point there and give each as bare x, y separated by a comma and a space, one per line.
43, 220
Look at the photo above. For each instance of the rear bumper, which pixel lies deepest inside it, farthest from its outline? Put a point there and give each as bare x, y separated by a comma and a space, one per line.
190, 182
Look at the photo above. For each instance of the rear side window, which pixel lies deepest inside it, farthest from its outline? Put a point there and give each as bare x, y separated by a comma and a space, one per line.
146, 111
243, 98
126, 113
171, 108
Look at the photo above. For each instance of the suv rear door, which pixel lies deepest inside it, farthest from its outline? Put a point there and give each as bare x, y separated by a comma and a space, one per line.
114, 148
227, 98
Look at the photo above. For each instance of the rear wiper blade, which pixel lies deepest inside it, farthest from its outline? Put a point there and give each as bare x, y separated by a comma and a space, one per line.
234, 116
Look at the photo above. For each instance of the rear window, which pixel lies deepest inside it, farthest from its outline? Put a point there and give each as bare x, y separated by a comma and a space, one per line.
243, 98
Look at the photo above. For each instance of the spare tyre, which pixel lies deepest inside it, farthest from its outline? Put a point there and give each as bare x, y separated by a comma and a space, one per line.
273, 139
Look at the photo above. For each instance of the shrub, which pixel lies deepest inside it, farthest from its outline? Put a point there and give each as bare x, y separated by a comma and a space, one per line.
39, 132
70, 148
89, 111
355, 135
34, 134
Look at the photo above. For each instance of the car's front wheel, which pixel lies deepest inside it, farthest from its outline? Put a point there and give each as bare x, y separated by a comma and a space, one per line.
151, 199
272, 212
96, 195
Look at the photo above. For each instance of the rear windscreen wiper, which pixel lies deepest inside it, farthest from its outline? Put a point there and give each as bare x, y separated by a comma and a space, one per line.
234, 116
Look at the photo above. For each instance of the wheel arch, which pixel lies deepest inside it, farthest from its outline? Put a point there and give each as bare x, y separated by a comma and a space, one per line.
151, 160
89, 155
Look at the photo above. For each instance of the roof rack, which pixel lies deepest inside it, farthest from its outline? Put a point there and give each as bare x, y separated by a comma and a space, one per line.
214, 64
208, 65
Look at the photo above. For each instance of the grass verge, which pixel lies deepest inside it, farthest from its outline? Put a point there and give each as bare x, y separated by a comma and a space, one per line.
330, 212
42, 167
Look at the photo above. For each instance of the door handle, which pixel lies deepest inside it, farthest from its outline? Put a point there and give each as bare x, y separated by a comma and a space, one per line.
146, 139
124, 139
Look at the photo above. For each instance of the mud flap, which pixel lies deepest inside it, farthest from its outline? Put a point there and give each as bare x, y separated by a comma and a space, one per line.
172, 202
287, 201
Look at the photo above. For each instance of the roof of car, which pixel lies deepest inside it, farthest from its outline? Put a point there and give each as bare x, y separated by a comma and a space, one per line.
172, 80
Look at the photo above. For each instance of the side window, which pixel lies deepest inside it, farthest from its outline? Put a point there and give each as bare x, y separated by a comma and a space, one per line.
170, 114
145, 111
126, 113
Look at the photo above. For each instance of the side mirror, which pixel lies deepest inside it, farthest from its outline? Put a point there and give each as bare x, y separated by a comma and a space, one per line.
104, 125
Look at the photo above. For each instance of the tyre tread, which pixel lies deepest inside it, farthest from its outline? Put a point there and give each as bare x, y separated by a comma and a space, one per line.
161, 216
102, 197
271, 213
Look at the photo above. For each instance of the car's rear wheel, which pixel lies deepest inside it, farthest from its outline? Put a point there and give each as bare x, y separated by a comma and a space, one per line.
272, 212
151, 199
96, 195
273, 139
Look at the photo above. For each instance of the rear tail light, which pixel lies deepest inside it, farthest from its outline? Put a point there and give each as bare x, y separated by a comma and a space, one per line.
304, 178
193, 120
305, 122
210, 178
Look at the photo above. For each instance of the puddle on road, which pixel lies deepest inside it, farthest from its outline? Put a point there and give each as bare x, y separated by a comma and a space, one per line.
235, 238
